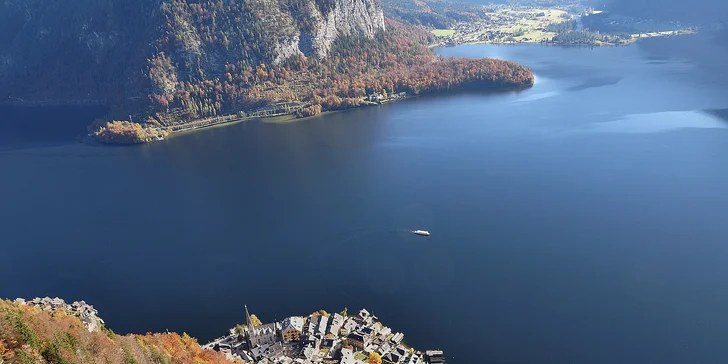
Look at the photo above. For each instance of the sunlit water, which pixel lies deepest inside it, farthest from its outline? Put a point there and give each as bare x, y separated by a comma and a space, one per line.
580, 221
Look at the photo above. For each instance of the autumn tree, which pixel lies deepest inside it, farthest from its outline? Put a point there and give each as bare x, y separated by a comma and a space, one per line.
255, 320
30, 335
126, 132
374, 358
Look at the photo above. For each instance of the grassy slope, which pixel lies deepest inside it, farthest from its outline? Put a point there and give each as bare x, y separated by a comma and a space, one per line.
443, 32
30, 335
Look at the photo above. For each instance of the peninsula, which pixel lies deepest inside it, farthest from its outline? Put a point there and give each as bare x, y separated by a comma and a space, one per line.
53, 331
171, 65
321, 337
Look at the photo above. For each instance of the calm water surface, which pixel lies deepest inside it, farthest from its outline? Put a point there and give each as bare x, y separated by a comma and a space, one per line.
580, 221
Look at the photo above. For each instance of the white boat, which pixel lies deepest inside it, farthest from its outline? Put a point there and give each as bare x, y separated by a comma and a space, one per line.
421, 232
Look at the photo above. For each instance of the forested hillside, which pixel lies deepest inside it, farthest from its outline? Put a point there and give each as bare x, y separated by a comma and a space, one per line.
75, 51
30, 335
440, 14
166, 62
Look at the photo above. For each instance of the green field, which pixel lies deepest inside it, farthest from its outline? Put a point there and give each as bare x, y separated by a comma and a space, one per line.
533, 29
443, 32
511, 25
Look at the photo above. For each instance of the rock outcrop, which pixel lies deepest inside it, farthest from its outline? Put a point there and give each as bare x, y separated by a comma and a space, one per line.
349, 17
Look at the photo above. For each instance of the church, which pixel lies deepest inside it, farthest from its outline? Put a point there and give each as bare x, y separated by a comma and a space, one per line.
262, 335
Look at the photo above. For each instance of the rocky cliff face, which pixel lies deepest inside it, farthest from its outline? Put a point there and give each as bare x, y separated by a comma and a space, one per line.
349, 17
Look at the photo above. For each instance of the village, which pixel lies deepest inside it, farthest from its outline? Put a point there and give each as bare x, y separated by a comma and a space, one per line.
566, 25
321, 338
506, 24
88, 315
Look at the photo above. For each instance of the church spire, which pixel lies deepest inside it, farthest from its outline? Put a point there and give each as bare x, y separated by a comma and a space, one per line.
249, 321
252, 337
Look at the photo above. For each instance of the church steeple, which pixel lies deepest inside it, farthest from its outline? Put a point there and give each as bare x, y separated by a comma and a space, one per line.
252, 337
249, 321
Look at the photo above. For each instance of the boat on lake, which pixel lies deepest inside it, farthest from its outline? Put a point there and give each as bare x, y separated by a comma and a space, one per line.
421, 232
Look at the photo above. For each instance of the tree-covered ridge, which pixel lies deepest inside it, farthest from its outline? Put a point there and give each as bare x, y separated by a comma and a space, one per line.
31, 335
396, 60
440, 14
169, 62
400, 60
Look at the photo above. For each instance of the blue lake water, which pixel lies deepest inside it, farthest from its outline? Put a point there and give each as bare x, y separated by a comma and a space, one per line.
580, 221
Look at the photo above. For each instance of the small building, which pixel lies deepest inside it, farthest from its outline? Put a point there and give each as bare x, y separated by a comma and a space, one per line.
392, 357
310, 340
434, 357
310, 353
269, 352
292, 328
313, 322
322, 323
359, 339
364, 314
385, 332
347, 356
397, 355
336, 322
375, 97
366, 317
348, 327
398, 337
414, 359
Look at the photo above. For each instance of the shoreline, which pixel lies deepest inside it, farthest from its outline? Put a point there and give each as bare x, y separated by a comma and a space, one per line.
232, 119
632, 41
318, 337
286, 118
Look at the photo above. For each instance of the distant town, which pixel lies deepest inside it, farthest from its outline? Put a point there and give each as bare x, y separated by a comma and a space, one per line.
321, 337
565, 25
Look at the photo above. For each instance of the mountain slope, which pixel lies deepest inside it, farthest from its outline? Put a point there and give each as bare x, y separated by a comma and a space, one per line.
30, 335
167, 62
75, 50
104, 52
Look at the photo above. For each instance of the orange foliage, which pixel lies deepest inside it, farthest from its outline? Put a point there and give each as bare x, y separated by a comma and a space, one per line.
184, 349
374, 358
29, 332
395, 60
311, 110
126, 132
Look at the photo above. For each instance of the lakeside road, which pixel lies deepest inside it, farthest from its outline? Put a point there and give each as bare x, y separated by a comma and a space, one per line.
288, 117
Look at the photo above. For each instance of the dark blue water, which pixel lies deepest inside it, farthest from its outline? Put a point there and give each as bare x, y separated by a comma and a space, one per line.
580, 221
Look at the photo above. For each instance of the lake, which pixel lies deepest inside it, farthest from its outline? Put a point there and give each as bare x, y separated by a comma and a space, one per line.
580, 221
